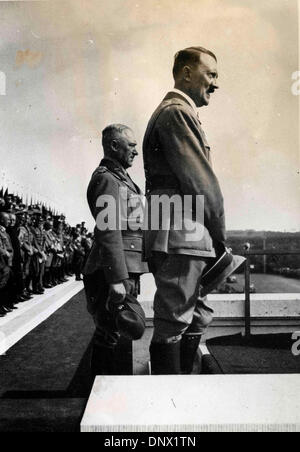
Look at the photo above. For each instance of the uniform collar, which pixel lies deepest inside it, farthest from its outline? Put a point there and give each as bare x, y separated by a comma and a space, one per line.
113, 165
188, 99
116, 167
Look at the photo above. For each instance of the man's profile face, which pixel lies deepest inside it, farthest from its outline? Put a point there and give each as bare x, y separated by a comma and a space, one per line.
203, 80
126, 149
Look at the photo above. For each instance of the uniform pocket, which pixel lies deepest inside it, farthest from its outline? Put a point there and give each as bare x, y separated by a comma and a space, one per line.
133, 244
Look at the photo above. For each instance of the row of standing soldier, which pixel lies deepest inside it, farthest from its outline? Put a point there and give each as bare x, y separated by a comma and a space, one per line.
38, 250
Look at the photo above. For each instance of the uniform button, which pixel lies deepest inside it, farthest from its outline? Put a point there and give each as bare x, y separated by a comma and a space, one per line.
132, 246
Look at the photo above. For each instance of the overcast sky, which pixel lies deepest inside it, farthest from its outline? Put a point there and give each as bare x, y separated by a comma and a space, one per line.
74, 67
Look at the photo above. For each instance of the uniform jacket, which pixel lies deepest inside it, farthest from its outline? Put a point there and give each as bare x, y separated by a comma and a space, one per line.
59, 248
175, 147
5, 261
25, 237
6, 246
59, 242
50, 244
117, 251
17, 259
39, 240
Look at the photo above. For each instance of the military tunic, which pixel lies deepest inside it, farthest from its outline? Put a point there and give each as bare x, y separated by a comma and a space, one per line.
25, 237
116, 253
6, 246
6, 259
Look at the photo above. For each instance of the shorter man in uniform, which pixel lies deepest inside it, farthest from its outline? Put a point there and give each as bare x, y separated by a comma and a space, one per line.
115, 264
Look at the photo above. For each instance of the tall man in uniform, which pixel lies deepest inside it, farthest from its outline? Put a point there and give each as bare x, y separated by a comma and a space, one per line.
177, 161
114, 265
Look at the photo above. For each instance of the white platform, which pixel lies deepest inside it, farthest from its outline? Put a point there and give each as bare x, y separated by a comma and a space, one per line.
228, 306
270, 314
15, 325
194, 403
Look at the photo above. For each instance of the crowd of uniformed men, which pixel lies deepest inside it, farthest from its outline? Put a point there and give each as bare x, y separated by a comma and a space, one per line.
38, 250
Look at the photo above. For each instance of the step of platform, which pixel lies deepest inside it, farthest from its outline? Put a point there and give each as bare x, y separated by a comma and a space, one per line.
41, 415
28, 315
193, 403
270, 314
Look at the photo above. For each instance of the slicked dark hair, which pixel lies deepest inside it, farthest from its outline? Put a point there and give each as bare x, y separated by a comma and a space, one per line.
189, 56
109, 134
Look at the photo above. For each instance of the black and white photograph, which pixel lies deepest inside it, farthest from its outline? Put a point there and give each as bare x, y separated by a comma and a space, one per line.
149, 218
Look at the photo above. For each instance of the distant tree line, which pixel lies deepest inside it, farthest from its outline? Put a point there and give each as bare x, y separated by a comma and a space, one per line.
288, 265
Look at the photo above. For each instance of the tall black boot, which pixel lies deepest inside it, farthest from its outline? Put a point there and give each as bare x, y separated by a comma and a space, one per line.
35, 286
3, 312
46, 282
103, 360
62, 277
53, 281
165, 358
56, 276
28, 284
188, 350
6, 300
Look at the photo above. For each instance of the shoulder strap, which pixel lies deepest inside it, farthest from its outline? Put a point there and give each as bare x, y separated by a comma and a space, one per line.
100, 170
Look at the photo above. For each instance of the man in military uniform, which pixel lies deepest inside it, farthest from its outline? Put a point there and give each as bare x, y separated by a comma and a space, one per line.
115, 264
50, 249
79, 256
6, 263
39, 257
69, 250
25, 237
18, 283
58, 260
177, 161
